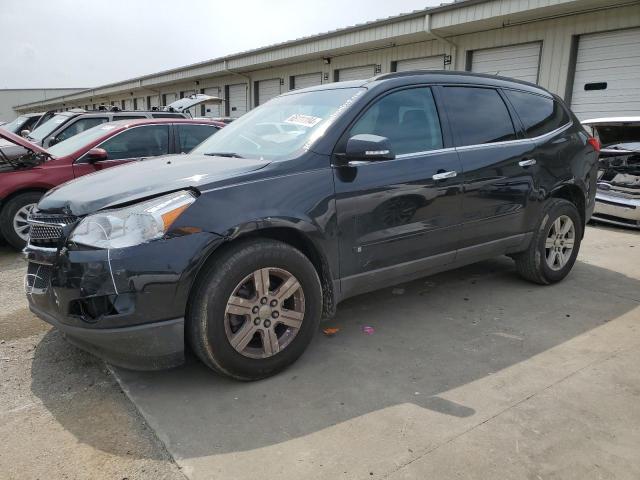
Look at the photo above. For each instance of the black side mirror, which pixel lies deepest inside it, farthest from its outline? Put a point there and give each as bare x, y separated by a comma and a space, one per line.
368, 148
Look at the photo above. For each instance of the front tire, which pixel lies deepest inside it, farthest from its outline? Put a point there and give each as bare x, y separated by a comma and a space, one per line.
254, 309
13, 218
554, 246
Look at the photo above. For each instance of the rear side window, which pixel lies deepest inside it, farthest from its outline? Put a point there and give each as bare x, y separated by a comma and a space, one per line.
408, 118
478, 115
167, 115
539, 114
144, 141
192, 135
80, 126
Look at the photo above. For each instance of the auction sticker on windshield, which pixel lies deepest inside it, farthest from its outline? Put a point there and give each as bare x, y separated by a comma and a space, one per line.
303, 120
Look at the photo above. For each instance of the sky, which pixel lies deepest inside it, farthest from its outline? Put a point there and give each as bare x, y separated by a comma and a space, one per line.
86, 43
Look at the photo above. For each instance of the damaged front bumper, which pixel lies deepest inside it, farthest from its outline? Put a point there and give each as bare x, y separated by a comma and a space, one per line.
126, 305
617, 208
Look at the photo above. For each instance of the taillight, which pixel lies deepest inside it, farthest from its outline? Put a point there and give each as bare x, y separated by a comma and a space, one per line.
595, 143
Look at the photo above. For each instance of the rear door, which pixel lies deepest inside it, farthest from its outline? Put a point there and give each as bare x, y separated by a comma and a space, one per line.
135, 143
496, 160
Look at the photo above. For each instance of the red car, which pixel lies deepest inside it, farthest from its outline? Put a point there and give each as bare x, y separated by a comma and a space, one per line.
24, 180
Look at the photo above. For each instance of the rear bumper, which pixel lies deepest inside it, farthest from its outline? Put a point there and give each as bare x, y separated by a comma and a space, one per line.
151, 346
617, 209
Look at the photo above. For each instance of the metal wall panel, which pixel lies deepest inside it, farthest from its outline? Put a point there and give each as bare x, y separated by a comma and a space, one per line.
307, 80
355, 73
424, 63
237, 100
268, 89
521, 62
610, 60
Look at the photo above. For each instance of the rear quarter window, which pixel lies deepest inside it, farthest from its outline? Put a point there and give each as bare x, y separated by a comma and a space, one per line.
539, 114
478, 115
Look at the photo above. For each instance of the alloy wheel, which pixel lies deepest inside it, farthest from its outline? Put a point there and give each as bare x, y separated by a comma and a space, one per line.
20, 223
264, 313
559, 242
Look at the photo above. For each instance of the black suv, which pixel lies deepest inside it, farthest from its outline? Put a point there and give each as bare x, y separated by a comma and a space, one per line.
243, 245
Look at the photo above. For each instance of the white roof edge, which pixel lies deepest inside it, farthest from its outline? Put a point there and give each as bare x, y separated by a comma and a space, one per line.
592, 121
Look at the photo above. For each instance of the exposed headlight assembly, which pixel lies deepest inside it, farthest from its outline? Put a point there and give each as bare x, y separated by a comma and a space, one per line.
132, 225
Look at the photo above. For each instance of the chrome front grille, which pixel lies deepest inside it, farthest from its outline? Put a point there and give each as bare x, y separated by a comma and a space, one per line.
45, 230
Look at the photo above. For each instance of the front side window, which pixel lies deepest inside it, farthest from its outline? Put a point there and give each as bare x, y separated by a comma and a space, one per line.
539, 114
79, 127
408, 118
192, 135
49, 126
478, 115
282, 128
137, 142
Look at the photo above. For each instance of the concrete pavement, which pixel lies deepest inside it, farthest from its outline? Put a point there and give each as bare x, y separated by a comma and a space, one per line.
473, 373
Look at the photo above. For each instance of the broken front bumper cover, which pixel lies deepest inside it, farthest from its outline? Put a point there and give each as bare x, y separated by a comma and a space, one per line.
617, 209
124, 305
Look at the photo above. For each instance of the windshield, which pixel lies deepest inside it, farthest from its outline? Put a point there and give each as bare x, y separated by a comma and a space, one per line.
615, 134
15, 125
75, 143
47, 127
281, 128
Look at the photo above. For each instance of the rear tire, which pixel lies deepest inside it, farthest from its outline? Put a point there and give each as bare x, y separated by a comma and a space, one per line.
245, 327
13, 218
548, 258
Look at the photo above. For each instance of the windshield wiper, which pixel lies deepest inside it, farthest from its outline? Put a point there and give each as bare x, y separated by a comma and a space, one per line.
223, 154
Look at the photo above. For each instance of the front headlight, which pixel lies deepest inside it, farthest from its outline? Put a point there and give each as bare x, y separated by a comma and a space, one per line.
133, 225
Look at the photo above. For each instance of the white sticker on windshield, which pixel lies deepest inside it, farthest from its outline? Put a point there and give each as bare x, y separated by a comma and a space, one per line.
108, 127
304, 120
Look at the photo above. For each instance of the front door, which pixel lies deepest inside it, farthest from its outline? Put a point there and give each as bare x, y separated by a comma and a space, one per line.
498, 166
398, 217
132, 144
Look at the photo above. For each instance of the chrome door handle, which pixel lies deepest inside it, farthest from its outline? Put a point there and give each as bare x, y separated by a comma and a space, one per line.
527, 163
443, 175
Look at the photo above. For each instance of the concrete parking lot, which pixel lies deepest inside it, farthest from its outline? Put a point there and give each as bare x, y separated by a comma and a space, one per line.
472, 373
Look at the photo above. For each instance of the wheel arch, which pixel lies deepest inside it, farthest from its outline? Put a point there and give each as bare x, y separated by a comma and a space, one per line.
574, 194
299, 237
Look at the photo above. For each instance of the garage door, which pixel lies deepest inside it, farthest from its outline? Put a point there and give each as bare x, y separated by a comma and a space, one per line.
153, 101
307, 80
424, 63
355, 73
607, 78
268, 89
211, 110
237, 100
516, 61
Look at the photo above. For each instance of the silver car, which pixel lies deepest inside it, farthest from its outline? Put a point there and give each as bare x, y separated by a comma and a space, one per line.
618, 185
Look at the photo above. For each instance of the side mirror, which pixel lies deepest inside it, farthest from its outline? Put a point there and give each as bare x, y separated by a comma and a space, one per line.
53, 141
97, 154
369, 148
25, 132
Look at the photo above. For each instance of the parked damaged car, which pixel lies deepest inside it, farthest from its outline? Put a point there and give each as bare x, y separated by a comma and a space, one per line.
24, 179
241, 247
618, 186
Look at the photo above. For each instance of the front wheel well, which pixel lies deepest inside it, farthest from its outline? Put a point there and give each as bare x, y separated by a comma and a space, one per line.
6, 199
573, 194
302, 243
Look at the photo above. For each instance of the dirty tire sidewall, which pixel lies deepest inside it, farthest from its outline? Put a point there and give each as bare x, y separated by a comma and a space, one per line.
217, 284
8, 212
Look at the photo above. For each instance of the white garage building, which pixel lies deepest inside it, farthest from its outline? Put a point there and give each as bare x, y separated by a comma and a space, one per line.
586, 51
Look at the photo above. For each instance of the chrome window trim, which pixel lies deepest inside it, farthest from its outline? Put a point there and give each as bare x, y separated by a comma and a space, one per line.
518, 140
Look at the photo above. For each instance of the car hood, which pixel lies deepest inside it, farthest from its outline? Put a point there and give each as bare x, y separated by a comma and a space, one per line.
21, 141
147, 178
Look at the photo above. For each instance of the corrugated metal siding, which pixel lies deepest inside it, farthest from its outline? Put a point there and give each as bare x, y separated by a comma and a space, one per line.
521, 61
555, 35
